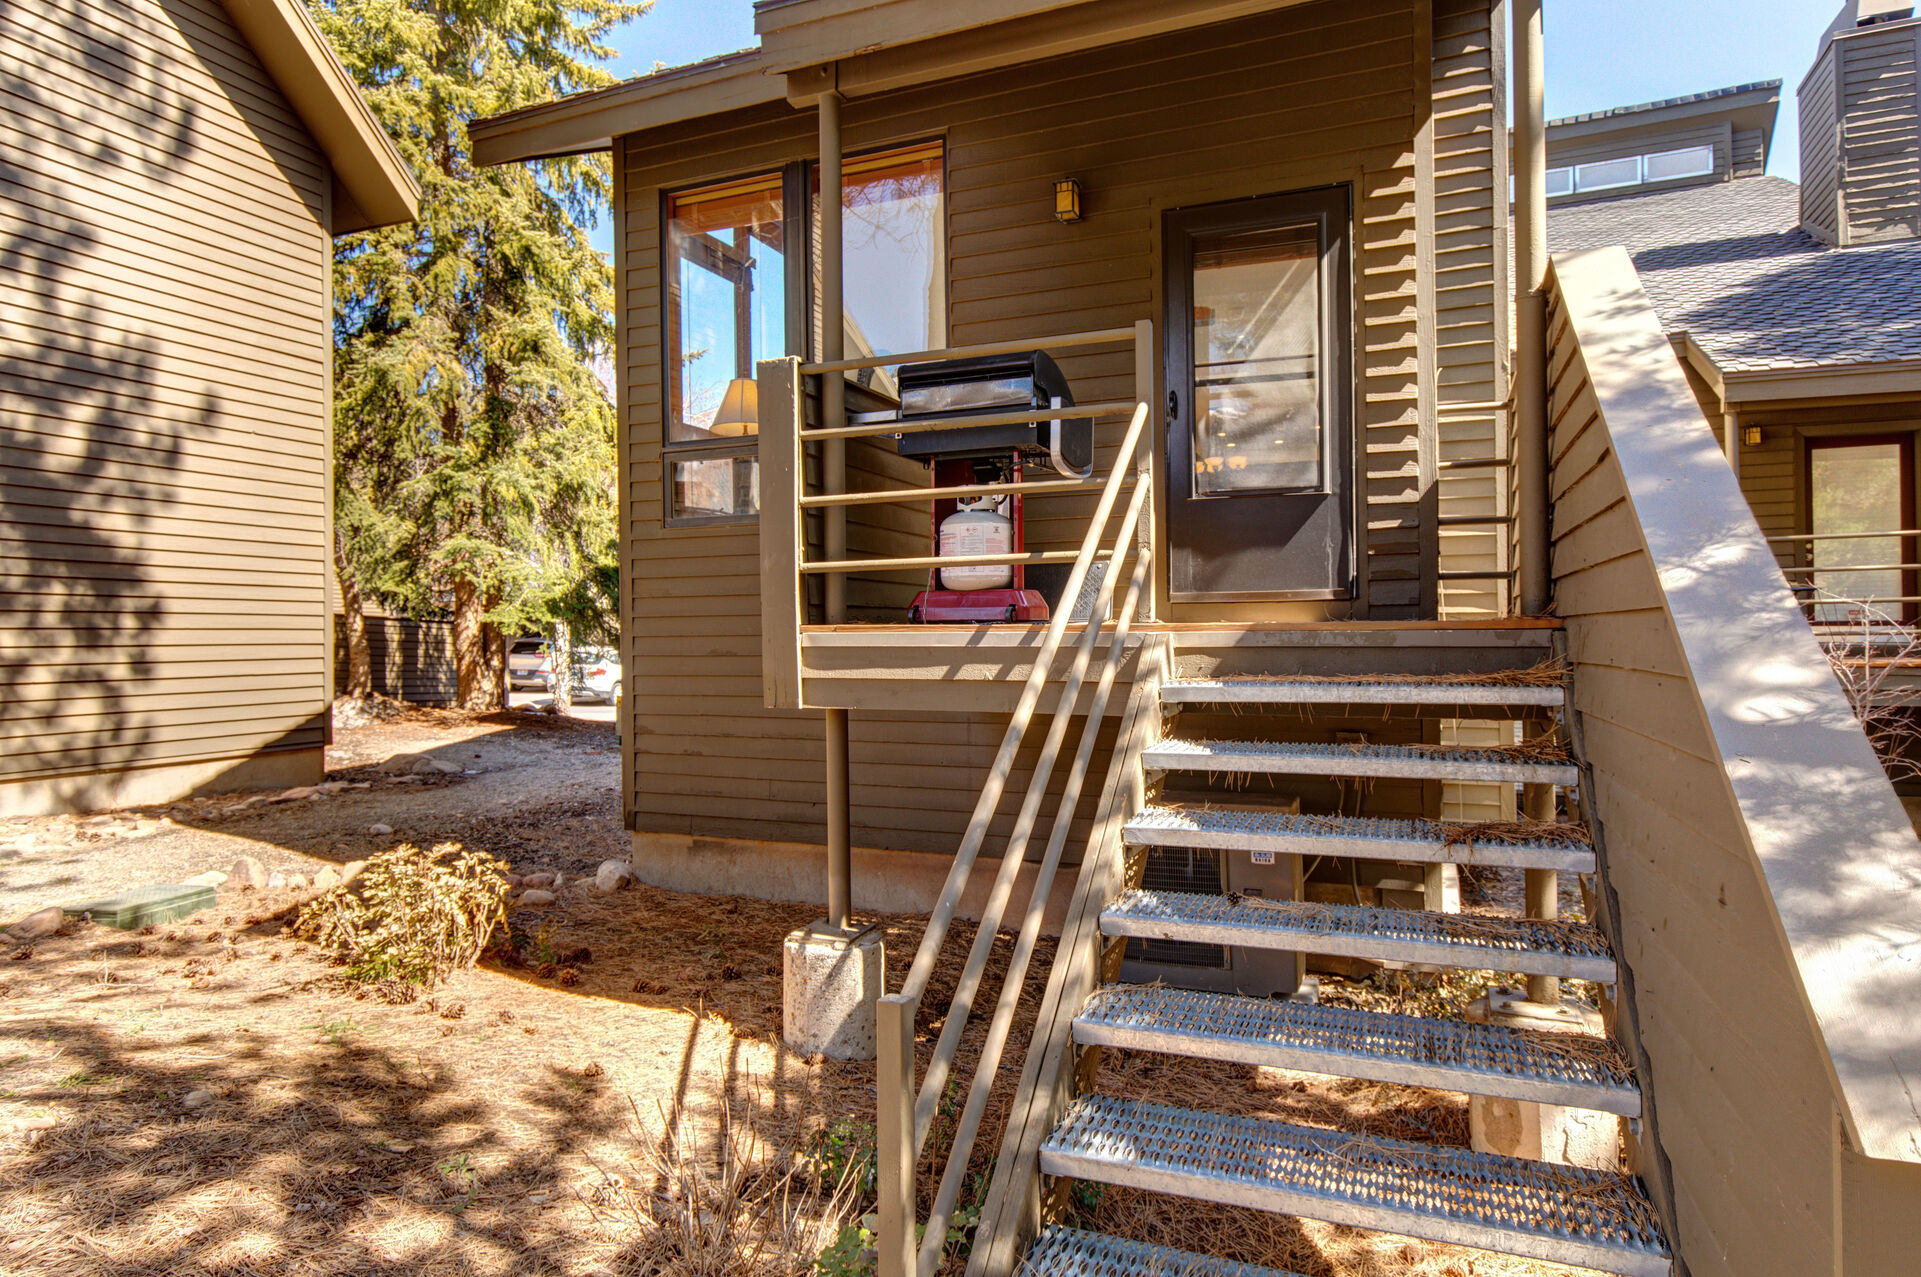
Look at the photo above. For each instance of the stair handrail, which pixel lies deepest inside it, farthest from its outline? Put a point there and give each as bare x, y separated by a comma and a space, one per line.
905, 1112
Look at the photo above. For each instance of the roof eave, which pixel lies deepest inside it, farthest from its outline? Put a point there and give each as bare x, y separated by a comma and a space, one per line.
586, 122
372, 184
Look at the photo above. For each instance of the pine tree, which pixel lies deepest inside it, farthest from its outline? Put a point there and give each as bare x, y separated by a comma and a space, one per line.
474, 442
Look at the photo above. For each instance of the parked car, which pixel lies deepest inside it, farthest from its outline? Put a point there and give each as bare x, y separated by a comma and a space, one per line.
596, 674
527, 664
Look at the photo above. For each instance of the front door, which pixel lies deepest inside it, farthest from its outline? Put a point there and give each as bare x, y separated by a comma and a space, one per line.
1260, 460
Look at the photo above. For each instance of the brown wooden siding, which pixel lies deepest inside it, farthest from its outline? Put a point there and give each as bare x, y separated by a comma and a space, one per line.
164, 384
412, 660
1750, 153
1820, 127
1880, 100
1323, 94
1718, 134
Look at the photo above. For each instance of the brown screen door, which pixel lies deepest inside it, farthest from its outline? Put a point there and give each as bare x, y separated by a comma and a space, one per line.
1260, 461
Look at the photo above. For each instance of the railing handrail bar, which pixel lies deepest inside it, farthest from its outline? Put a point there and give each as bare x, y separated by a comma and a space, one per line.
945, 561
943, 915
1840, 536
1066, 341
1014, 852
926, 425
988, 1065
1856, 567
965, 492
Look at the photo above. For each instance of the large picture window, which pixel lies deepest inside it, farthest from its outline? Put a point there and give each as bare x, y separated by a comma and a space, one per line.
894, 254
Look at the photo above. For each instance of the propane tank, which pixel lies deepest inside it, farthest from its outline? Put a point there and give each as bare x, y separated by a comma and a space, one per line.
978, 527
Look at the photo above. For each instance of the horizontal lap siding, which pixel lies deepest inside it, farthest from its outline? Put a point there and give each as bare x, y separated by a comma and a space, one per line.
1737, 1083
1313, 96
412, 660
164, 381
1880, 100
1819, 125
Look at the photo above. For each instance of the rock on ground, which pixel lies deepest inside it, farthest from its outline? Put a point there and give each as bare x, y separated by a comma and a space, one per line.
247, 874
41, 922
326, 879
541, 881
276, 880
297, 882
613, 875
380, 830
536, 898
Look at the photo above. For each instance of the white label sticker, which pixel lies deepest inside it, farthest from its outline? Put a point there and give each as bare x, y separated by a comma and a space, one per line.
1262, 857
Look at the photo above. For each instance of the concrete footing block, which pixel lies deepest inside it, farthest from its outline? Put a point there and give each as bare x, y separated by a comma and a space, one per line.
831, 981
1541, 1132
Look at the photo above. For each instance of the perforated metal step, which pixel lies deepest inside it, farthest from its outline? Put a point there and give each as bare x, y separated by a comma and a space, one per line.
1562, 1214
1414, 762
1450, 1055
1069, 1252
1365, 838
1570, 950
1335, 691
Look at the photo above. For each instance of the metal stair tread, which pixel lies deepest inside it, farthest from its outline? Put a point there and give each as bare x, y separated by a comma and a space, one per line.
1071, 1252
1561, 1214
1301, 758
1455, 1055
1365, 837
1356, 691
1570, 950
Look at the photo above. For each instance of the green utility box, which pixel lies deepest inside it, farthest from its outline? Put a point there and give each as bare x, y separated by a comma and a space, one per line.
147, 906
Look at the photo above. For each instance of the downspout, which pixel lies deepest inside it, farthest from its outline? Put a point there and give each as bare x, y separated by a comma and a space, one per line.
1530, 312
1534, 583
833, 468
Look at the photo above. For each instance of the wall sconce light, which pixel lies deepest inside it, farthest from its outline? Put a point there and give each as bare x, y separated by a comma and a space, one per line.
1067, 200
1751, 436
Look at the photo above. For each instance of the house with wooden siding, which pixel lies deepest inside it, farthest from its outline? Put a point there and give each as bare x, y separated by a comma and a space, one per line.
1795, 308
1396, 549
172, 176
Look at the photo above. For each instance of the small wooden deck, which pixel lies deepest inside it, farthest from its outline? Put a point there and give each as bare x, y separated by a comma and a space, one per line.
963, 668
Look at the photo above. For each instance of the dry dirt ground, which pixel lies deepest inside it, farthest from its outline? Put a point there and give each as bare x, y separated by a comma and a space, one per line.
208, 1097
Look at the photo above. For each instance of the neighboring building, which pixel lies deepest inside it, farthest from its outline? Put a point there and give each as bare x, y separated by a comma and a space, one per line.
1267, 243
1796, 309
172, 175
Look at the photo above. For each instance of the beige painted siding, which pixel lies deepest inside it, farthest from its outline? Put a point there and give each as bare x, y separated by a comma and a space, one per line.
1750, 153
1739, 1076
1708, 984
1718, 134
164, 383
1327, 93
1881, 132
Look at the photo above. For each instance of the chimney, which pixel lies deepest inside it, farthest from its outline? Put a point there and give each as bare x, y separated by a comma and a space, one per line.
1861, 127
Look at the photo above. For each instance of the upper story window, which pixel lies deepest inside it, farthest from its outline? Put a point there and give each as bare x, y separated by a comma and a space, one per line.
726, 303
1631, 170
894, 254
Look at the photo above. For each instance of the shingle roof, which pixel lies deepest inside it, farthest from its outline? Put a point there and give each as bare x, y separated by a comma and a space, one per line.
1729, 264
1686, 99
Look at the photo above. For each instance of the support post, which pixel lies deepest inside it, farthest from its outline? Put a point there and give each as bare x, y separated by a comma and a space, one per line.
894, 1135
1543, 891
840, 854
833, 468
1530, 275
1731, 440
1144, 359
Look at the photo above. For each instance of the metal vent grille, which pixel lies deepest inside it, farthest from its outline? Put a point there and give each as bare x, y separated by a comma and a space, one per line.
1195, 869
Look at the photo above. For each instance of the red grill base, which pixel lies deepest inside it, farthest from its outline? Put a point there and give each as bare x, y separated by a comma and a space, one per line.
937, 607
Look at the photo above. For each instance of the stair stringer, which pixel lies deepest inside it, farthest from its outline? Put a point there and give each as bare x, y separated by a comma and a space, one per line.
1648, 1159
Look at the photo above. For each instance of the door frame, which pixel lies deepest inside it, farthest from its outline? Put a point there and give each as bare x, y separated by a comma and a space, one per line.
1334, 204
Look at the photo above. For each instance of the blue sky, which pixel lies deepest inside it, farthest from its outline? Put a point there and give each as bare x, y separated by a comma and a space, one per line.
1601, 53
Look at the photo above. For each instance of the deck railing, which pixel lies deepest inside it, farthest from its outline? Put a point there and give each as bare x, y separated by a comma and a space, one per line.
786, 434
1821, 589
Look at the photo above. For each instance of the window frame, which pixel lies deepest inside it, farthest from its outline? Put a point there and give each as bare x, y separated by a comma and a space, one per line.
796, 286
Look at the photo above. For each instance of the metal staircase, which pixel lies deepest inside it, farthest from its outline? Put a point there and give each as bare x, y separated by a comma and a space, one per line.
1588, 1218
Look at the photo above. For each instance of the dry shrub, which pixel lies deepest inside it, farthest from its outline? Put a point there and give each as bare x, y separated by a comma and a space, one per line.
723, 1204
410, 917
